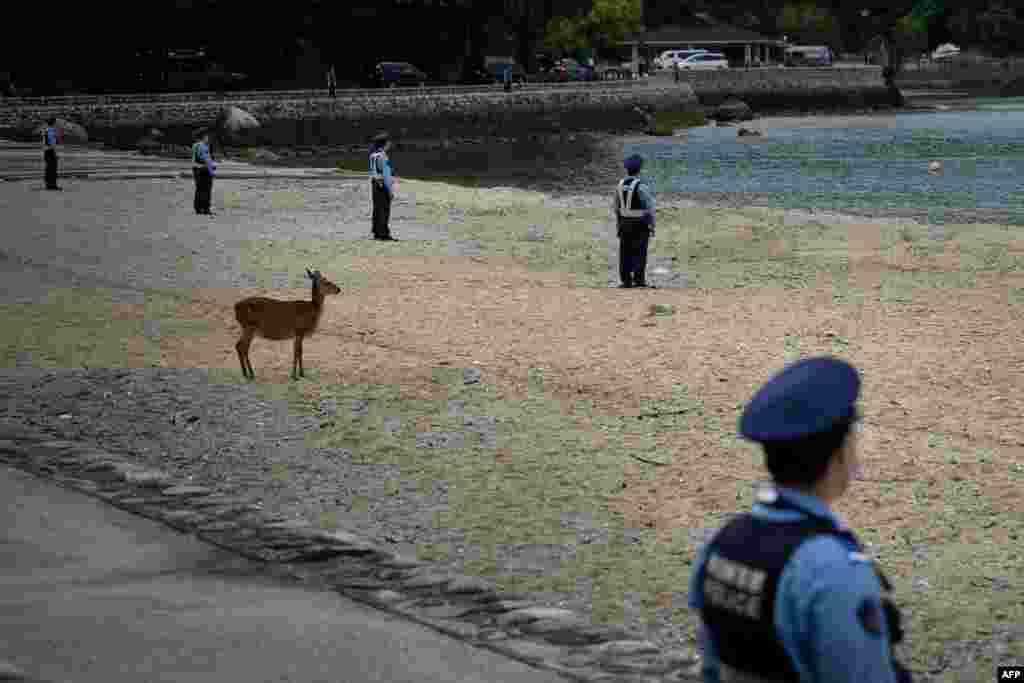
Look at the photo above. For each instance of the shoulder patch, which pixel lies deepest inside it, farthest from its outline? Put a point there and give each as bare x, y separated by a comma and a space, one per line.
869, 614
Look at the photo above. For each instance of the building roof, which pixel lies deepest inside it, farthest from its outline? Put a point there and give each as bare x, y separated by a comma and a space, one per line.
696, 34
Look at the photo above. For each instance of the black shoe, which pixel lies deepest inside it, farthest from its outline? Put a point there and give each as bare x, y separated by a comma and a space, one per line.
626, 285
389, 238
643, 285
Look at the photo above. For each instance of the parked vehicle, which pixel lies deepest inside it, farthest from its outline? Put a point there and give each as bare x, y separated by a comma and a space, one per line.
809, 55
704, 61
395, 74
569, 70
497, 73
668, 59
609, 71
945, 52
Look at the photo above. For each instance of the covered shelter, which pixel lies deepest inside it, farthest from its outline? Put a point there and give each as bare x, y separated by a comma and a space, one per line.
741, 46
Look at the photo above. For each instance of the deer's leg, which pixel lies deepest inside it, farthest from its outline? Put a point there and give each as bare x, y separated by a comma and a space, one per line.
297, 357
302, 366
243, 352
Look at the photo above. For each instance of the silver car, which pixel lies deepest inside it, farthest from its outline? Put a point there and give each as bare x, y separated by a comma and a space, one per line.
704, 61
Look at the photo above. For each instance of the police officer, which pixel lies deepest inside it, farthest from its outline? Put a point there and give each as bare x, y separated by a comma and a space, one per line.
382, 186
633, 209
202, 171
332, 82
51, 139
786, 592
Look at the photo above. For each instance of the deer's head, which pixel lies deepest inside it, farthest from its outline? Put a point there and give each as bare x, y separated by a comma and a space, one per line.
323, 284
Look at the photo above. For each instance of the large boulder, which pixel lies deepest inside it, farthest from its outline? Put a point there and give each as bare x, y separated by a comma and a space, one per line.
74, 133
733, 110
234, 124
148, 145
1014, 88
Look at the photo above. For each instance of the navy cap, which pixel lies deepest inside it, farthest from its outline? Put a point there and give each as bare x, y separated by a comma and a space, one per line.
807, 397
633, 162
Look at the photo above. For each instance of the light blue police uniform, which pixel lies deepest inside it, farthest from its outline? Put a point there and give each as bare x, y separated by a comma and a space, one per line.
831, 614
200, 154
820, 591
51, 137
380, 169
646, 201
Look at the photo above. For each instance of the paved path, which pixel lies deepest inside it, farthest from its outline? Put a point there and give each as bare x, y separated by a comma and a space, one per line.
92, 593
24, 161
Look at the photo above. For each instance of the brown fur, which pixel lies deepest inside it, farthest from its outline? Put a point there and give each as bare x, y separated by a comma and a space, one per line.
279, 320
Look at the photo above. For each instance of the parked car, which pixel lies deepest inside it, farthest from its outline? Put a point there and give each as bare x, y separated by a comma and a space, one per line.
945, 51
668, 59
394, 74
610, 71
809, 55
569, 70
493, 73
704, 61
497, 73
544, 62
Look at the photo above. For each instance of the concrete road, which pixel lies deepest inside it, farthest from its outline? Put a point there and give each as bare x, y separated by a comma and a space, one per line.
89, 593
24, 161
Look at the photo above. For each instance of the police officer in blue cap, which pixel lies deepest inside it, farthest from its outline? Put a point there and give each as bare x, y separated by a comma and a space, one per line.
786, 592
51, 138
633, 209
382, 187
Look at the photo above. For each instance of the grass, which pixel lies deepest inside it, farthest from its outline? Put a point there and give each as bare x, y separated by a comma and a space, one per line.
667, 122
922, 312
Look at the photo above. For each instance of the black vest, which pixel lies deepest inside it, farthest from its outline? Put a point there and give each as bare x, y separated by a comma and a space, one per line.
739, 586
630, 183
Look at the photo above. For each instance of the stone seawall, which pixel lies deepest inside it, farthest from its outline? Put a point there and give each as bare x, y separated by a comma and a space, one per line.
810, 89
293, 119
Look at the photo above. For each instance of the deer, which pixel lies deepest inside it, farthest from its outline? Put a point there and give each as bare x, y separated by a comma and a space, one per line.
279, 320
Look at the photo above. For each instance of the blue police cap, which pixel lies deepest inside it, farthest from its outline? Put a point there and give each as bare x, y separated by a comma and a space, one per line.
807, 397
633, 162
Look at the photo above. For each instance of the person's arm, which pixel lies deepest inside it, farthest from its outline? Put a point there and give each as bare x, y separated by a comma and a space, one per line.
615, 205
388, 180
647, 197
709, 668
830, 603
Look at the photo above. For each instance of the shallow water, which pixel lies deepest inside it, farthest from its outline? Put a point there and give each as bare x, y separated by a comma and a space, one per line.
860, 167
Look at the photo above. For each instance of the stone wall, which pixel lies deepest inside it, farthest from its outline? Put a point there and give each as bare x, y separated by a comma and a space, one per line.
309, 117
807, 88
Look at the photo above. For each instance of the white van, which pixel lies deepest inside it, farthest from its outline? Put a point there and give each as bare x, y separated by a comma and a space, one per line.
669, 58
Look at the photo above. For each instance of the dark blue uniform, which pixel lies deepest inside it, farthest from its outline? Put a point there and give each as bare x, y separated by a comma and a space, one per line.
382, 188
50, 141
201, 172
786, 592
633, 208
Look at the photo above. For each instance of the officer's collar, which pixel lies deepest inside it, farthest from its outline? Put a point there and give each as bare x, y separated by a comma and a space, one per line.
784, 498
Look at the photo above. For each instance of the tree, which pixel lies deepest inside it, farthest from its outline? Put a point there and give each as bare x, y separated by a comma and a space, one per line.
608, 22
810, 21
912, 34
999, 28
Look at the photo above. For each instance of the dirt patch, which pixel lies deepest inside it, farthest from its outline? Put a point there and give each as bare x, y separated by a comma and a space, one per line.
529, 391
